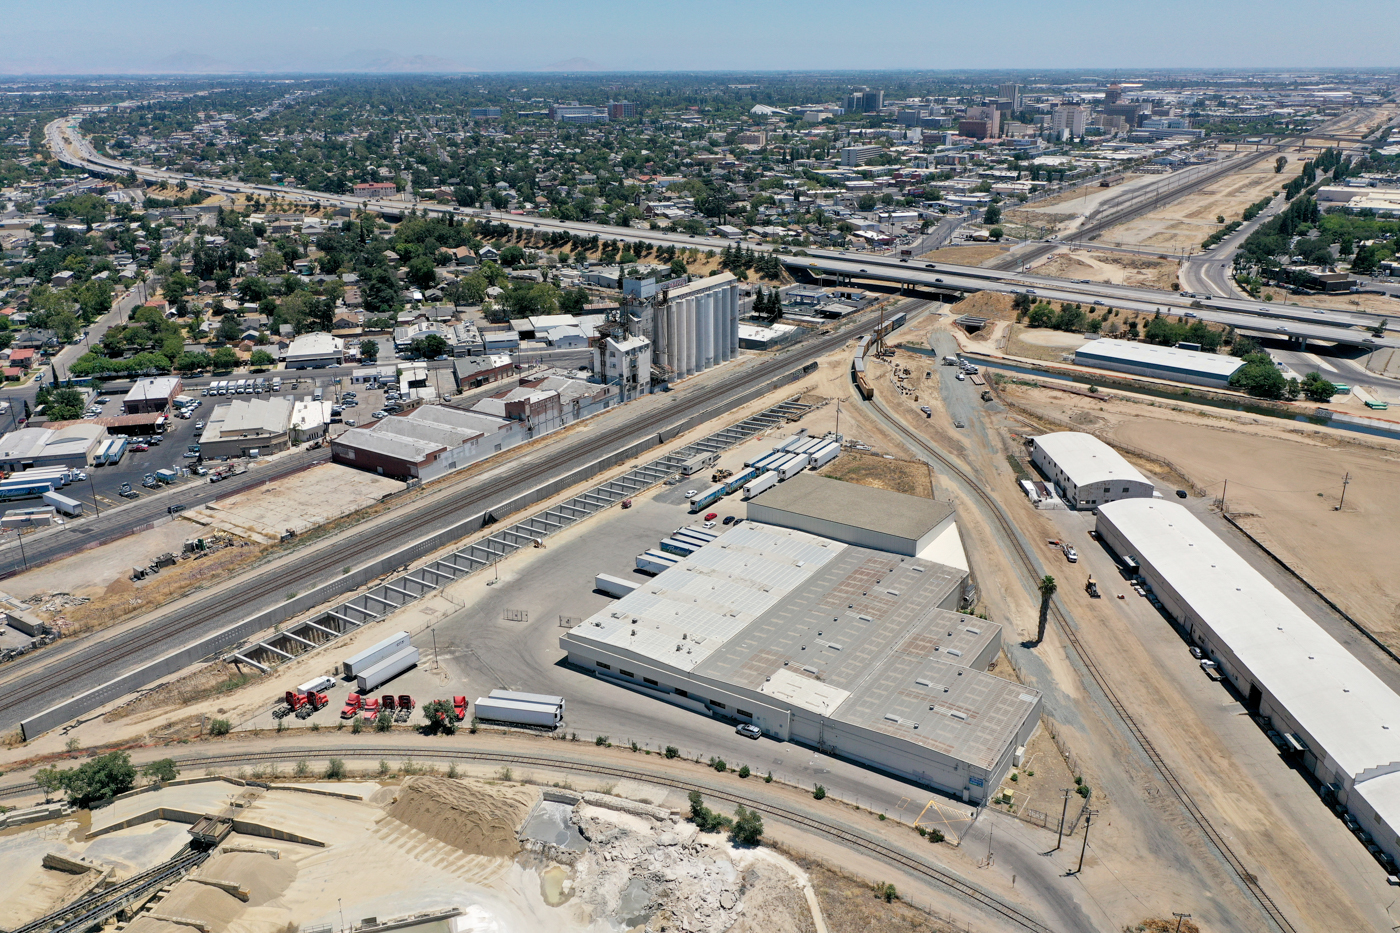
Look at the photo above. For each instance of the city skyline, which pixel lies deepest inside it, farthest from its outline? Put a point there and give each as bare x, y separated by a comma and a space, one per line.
213, 37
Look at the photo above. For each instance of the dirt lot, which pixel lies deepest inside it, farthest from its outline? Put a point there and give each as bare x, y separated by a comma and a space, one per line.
1117, 268
1284, 484
967, 255
1185, 223
1381, 304
910, 477
296, 503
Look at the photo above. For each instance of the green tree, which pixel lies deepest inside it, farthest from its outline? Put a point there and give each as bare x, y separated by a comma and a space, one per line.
1047, 589
369, 350
421, 272
224, 360
230, 328
65, 324
1318, 389
100, 779
678, 267
573, 301
440, 717
192, 362
429, 346
1279, 164
1260, 377
512, 256
163, 769
992, 215
64, 405
261, 359
748, 826
50, 780
705, 819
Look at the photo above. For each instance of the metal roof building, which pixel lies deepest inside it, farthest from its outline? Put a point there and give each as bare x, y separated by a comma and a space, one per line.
1339, 717
855, 514
1146, 359
1087, 471
845, 648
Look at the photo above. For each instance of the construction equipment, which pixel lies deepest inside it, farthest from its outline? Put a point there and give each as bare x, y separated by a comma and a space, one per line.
1092, 588
719, 476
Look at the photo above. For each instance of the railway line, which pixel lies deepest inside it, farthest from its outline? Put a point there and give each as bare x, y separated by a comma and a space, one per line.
36, 682
1178, 790
847, 837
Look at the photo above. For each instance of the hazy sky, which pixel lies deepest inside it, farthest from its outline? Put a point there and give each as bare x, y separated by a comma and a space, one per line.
89, 36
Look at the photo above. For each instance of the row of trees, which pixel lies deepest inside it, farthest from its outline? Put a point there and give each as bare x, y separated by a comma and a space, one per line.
101, 778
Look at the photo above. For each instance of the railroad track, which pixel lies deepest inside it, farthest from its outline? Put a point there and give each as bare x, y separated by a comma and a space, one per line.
846, 837
150, 638
92, 909
1164, 770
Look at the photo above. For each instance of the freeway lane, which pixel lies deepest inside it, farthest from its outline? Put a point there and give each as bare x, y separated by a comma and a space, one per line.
32, 684
1309, 323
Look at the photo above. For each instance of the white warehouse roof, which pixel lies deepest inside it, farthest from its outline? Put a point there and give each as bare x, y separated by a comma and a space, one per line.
1085, 459
1333, 697
1168, 359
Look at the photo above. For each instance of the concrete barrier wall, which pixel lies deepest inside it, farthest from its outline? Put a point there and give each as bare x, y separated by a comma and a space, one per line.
359, 577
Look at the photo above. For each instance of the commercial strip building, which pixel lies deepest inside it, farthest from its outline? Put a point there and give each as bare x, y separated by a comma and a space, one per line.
844, 648
68, 444
1146, 359
1086, 471
315, 351
1339, 719
152, 395
248, 427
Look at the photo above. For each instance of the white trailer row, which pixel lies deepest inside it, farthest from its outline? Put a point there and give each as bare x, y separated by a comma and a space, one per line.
521, 709
386, 670
358, 664
63, 504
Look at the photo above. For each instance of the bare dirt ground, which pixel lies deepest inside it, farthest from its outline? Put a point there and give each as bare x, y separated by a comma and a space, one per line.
911, 477
967, 255
1183, 224
1039, 344
1284, 484
295, 503
1116, 268
1380, 304
89, 573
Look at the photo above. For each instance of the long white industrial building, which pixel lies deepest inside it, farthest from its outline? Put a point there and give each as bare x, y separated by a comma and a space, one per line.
697, 326
1337, 716
1087, 471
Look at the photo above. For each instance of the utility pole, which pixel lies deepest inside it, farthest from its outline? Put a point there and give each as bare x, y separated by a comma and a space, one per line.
1222, 496
1179, 918
1064, 811
1088, 821
1346, 481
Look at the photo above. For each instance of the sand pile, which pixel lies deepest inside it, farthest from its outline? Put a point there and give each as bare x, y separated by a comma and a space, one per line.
478, 818
264, 877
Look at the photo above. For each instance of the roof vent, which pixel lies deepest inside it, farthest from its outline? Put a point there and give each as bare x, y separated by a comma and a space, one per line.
810, 670
923, 683
958, 714
865, 618
834, 647
973, 631
955, 652
892, 592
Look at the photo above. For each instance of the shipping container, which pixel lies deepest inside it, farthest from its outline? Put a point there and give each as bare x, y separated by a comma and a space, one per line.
37, 517
386, 670
371, 656
655, 562
64, 504
672, 546
515, 713
766, 481
613, 586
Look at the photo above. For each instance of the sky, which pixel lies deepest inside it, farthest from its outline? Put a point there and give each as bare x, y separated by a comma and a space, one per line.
141, 36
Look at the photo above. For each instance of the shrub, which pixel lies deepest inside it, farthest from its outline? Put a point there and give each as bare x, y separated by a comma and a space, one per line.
163, 770
705, 819
602, 740
219, 727
303, 767
440, 717
886, 891
744, 771
384, 721
819, 792
768, 778
748, 826
383, 766
335, 769
672, 751
357, 725
718, 764
1083, 791
935, 835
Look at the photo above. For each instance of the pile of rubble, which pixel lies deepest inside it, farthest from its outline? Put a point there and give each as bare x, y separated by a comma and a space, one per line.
645, 866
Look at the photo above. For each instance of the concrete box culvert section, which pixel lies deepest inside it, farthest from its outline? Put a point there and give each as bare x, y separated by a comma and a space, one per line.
382, 600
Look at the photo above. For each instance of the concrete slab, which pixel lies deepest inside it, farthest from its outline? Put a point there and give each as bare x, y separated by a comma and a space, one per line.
298, 502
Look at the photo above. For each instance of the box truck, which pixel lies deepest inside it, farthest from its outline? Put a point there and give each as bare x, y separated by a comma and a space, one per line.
372, 655
386, 670
613, 586
63, 504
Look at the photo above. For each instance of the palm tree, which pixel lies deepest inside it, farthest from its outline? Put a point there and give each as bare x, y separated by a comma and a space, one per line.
1047, 589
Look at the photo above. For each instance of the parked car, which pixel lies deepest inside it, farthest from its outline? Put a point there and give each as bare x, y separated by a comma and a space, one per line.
748, 730
199, 425
1181, 494
708, 525
729, 519
711, 516
690, 493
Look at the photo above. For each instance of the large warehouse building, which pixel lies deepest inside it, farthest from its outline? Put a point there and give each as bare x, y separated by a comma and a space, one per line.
847, 649
1171, 363
1339, 718
864, 516
1086, 471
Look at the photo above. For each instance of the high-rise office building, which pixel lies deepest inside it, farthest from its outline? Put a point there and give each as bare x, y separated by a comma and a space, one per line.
864, 100
621, 110
1011, 92
1113, 95
1070, 117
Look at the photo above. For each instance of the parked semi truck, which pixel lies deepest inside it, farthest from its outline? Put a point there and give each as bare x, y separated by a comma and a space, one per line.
63, 504
766, 481
707, 498
613, 586
386, 670
395, 643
